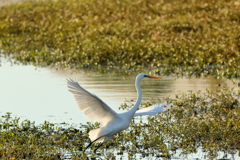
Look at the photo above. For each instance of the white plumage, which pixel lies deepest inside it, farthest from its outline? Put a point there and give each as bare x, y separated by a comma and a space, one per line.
152, 110
111, 122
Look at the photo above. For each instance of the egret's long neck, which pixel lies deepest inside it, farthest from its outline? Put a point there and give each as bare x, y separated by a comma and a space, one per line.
139, 97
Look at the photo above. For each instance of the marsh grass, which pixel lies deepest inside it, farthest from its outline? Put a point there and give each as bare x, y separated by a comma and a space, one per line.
206, 121
181, 37
25, 140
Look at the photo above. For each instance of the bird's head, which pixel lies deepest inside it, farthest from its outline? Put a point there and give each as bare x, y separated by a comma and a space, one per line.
142, 75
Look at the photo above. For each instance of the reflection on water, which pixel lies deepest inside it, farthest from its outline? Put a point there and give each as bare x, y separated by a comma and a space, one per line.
41, 94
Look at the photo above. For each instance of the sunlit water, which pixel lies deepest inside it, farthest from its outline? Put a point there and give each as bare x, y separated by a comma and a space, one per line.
7, 2
40, 94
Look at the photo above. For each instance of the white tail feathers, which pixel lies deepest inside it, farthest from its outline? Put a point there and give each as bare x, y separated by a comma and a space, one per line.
153, 110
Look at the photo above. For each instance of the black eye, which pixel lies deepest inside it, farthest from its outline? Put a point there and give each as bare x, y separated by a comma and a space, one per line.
145, 75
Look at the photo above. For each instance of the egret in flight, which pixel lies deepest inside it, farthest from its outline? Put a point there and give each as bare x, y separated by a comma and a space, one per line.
111, 122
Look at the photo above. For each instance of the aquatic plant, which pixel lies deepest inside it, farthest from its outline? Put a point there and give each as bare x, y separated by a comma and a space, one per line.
179, 37
206, 121
209, 121
25, 140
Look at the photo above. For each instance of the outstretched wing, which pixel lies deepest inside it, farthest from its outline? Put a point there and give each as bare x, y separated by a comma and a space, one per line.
152, 110
92, 106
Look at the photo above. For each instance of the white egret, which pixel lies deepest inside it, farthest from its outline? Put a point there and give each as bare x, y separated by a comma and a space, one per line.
111, 122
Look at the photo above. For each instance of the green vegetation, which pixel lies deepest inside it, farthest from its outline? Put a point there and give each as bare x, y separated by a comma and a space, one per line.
208, 121
178, 37
25, 140
182, 37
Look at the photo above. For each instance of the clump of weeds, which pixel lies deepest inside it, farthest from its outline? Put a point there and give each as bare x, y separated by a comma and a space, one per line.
172, 37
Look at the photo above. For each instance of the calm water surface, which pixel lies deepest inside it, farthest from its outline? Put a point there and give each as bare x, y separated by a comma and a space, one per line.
41, 94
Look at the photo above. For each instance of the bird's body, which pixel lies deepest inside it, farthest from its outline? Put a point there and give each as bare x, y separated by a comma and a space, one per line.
95, 109
108, 130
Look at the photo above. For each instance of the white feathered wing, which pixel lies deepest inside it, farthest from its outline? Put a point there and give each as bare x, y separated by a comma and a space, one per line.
92, 107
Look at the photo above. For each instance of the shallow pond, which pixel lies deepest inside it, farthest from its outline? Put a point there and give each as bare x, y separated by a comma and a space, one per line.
41, 94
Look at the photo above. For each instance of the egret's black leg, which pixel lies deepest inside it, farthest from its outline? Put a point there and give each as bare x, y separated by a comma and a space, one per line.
98, 147
91, 144
88, 146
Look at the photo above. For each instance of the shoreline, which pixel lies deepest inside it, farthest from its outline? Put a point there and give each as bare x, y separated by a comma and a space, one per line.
7, 2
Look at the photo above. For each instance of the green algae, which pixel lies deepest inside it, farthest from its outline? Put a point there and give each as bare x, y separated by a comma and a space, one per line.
171, 37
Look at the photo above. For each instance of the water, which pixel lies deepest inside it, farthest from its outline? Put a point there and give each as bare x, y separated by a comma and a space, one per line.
40, 94
7, 2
